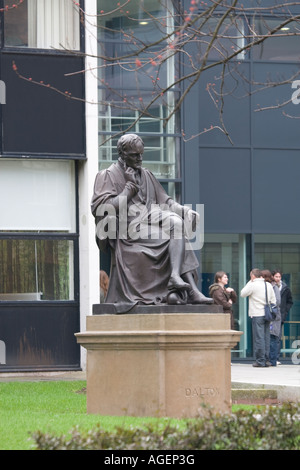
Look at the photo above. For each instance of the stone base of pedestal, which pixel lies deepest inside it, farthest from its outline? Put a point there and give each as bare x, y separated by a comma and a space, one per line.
158, 364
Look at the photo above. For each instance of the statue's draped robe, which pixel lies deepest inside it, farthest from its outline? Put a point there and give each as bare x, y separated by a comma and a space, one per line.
140, 268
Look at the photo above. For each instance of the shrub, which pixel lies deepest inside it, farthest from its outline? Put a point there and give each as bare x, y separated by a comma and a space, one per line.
269, 428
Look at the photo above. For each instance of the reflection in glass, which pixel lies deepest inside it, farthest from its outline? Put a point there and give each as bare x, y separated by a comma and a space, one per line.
282, 252
230, 37
16, 24
40, 269
228, 252
134, 20
284, 45
131, 89
42, 24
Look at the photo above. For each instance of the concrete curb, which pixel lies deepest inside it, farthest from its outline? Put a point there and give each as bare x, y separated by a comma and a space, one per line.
254, 396
284, 393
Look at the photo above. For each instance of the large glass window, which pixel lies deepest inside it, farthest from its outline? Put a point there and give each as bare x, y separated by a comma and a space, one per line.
33, 269
231, 253
129, 83
283, 252
282, 46
37, 230
46, 24
37, 195
161, 154
219, 37
228, 252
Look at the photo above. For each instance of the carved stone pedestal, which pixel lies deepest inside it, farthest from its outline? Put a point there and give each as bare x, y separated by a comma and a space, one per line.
164, 364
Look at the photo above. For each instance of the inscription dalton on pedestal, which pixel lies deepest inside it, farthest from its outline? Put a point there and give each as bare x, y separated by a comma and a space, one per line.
196, 392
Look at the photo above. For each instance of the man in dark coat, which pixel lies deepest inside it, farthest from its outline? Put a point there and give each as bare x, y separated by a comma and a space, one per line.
144, 228
286, 302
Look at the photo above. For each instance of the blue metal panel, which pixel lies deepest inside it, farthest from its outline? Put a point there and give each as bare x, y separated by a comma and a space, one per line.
276, 191
36, 119
272, 128
225, 189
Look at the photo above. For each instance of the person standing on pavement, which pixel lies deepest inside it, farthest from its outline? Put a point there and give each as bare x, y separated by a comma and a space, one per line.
255, 291
225, 296
285, 303
275, 325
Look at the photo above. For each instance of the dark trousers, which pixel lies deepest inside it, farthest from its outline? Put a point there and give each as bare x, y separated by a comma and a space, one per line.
280, 342
274, 347
261, 339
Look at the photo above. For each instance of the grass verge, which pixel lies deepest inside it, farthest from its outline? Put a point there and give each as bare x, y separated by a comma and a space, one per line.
52, 407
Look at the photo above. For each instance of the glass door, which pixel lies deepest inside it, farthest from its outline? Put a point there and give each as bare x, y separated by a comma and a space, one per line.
282, 252
229, 253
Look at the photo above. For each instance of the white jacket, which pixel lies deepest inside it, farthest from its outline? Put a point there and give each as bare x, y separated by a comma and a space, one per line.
255, 290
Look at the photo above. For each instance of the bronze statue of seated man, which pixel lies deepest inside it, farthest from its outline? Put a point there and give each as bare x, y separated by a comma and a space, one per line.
145, 230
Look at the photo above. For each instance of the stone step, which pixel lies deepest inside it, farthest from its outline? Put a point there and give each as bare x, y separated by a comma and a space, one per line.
257, 396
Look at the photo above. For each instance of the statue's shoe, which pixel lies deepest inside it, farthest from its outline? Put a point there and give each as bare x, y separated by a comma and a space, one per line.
196, 297
176, 283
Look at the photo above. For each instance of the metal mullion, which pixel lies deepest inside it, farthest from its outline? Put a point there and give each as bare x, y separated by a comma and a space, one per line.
1, 24
38, 235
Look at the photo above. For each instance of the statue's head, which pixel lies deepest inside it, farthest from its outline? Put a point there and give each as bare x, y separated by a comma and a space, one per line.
131, 148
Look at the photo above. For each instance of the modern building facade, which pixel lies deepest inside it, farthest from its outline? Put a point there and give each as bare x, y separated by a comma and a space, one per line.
58, 128
249, 187
43, 153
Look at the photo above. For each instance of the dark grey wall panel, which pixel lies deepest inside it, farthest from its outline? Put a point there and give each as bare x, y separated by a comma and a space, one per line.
36, 119
272, 128
235, 108
276, 191
223, 186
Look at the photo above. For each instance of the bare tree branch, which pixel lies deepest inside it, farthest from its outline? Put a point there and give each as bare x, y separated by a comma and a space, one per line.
216, 34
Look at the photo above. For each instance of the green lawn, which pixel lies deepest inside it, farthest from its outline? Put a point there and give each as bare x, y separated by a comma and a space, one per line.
55, 407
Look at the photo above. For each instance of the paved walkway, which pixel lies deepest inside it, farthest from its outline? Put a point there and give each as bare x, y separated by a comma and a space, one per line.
284, 378
42, 376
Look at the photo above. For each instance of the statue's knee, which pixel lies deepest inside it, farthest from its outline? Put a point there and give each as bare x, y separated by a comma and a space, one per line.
176, 226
